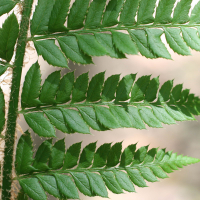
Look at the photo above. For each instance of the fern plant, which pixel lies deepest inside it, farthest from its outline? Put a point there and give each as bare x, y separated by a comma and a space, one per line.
62, 31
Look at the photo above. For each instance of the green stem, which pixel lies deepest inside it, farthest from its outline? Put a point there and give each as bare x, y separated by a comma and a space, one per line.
77, 105
14, 100
97, 169
100, 103
116, 28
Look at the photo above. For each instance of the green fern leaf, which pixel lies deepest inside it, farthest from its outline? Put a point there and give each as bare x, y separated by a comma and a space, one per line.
104, 104
75, 121
127, 155
128, 13
107, 43
66, 186
95, 12
163, 11
31, 88
112, 169
87, 155
155, 43
175, 41
194, 19
57, 155
191, 38
124, 43
139, 89
117, 28
56, 118
124, 87
51, 53
58, 15
72, 156
135, 117
181, 12
145, 12
100, 156
80, 88
69, 46
111, 182
140, 38
33, 188
8, 35
42, 156
114, 155
112, 12
40, 124
106, 118
95, 87
49, 184
6, 6
109, 88
24, 154
82, 183
65, 88
49, 88
97, 185
89, 116
124, 181
90, 45
151, 92
40, 20
77, 14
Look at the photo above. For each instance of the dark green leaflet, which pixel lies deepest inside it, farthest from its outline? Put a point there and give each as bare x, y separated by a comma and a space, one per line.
77, 105
136, 167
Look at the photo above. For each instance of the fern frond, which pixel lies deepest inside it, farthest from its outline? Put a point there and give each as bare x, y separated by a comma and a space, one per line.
115, 28
92, 171
75, 105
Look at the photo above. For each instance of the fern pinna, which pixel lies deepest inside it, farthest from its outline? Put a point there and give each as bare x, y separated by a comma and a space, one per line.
99, 28
91, 171
75, 105
61, 31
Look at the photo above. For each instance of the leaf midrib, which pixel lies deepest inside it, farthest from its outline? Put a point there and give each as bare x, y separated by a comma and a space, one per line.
119, 27
84, 170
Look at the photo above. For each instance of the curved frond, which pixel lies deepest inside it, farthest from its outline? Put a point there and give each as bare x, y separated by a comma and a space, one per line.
114, 28
92, 171
76, 105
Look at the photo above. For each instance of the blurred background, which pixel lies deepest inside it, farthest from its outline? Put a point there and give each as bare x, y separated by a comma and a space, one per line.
183, 137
